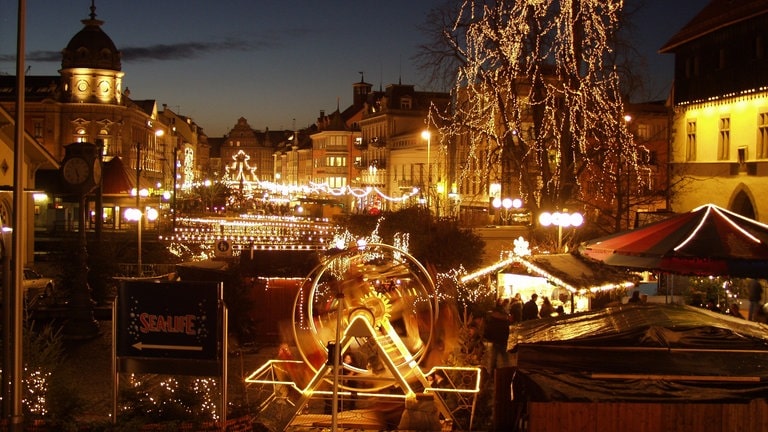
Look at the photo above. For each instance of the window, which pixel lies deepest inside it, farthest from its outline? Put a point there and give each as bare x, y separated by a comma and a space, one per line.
80, 135
336, 161
762, 135
643, 131
690, 143
405, 103
337, 182
38, 128
724, 139
648, 157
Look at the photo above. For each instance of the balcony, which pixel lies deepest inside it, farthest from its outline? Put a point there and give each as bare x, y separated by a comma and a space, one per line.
378, 142
368, 164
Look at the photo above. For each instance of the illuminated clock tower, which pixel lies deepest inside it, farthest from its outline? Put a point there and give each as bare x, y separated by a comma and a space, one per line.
90, 66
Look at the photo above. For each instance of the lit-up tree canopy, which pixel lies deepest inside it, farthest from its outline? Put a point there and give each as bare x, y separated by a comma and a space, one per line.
537, 108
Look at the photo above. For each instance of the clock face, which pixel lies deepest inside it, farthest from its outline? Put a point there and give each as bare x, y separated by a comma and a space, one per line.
82, 85
76, 171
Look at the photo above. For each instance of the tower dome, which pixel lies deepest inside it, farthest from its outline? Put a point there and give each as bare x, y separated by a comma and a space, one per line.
91, 48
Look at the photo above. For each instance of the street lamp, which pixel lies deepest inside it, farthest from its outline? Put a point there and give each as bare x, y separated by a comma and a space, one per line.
135, 214
427, 135
505, 206
561, 219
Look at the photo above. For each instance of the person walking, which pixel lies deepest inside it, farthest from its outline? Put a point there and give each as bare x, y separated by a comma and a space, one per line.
516, 309
531, 309
547, 309
497, 333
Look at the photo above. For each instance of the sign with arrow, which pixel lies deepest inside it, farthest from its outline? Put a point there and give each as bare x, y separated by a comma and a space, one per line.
169, 320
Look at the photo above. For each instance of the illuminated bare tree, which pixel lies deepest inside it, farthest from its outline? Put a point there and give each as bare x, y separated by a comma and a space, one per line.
537, 105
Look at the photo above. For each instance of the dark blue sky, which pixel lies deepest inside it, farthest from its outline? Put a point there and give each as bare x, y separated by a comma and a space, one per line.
275, 62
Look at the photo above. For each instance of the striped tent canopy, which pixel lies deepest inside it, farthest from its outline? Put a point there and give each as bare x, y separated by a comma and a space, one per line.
708, 240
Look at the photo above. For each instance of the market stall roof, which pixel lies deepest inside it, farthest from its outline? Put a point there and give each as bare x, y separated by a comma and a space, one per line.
572, 272
649, 352
708, 240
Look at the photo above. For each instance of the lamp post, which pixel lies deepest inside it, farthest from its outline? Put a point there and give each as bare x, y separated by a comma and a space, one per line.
427, 135
505, 206
561, 219
138, 206
135, 214
175, 185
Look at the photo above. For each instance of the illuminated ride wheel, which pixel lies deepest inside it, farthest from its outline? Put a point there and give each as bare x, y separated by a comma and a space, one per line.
388, 289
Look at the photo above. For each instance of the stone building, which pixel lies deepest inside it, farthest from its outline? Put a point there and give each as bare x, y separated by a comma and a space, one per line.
86, 102
719, 144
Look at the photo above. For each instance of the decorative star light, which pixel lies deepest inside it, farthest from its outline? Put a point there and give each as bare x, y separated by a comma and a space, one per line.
521, 247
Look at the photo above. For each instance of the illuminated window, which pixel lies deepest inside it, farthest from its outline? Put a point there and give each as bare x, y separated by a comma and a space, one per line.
690, 143
405, 103
80, 135
336, 161
724, 139
643, 131
337, 182
762, 135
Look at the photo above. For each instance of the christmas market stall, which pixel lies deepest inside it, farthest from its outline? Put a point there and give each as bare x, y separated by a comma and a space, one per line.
566, 279
645, 367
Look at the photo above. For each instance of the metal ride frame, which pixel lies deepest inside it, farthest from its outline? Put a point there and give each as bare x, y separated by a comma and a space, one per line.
374, 319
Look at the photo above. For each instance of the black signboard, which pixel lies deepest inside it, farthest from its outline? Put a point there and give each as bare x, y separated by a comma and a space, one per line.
168, 324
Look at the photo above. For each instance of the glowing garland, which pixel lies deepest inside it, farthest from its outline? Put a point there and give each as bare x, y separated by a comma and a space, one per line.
533, 268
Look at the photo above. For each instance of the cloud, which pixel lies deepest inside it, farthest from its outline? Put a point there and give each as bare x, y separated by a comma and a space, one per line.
189, 50
160, 52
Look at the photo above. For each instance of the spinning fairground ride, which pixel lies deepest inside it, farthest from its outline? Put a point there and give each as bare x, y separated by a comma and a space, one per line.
363, 324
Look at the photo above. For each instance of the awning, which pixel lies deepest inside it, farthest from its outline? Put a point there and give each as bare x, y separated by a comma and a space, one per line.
117, 179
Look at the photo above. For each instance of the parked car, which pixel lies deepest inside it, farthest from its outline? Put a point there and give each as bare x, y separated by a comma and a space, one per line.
36, 286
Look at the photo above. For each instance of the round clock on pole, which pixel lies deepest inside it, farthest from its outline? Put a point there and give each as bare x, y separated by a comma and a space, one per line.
81, 171
81, 168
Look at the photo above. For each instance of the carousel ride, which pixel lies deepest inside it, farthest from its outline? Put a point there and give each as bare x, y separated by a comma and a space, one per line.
364, 322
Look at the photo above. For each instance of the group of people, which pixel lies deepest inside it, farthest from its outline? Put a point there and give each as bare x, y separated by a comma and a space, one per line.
519, 311
510, 311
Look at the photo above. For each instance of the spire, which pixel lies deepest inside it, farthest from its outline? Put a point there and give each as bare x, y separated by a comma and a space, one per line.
92, 16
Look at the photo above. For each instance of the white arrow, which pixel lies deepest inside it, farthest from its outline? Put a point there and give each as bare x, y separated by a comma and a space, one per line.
139, 346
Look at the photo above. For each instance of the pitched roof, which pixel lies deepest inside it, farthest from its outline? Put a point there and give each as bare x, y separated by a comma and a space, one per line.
571, 271
38, 87
716, 15
117, 179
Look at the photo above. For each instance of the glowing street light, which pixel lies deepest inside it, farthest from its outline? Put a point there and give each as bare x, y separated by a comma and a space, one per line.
134, 214
505, 207
561, 220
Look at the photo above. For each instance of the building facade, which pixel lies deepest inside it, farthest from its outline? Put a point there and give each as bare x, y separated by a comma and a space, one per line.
86, 102
719, 140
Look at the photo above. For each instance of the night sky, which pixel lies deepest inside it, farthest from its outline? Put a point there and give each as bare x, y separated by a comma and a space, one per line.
277, 63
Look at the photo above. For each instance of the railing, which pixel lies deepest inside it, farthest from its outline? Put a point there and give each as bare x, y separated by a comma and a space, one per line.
147, 270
